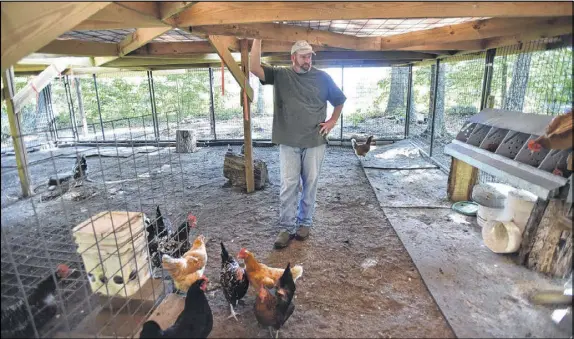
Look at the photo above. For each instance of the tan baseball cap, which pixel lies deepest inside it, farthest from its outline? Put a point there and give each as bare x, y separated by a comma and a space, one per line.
301, 47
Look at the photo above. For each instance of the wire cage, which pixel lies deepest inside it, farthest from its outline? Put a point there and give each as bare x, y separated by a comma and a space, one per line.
58, 269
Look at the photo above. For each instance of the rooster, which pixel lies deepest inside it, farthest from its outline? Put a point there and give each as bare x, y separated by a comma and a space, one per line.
42, 302
363, 149
233, 279
273, 306
260, 274
190, 267
195, 321
558, 136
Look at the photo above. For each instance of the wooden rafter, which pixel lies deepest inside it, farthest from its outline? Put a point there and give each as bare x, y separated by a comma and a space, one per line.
284, 33
219, 43
222, 13
25, 28
80, 48
478, 30
146, 34
356, 55
122, 16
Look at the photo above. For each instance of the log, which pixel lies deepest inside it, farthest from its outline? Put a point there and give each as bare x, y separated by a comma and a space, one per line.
461, 179
234, 170
185, 141
551, 245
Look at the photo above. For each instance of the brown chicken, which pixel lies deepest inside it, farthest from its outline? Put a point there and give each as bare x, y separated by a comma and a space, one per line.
363, 149
558, 136
262, 275
190, 267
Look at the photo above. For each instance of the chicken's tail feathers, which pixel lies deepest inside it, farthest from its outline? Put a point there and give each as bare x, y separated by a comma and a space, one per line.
369, 139
297, 272
224, 253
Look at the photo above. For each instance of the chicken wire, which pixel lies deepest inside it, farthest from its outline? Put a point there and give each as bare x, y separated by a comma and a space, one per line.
37, 231
533, 78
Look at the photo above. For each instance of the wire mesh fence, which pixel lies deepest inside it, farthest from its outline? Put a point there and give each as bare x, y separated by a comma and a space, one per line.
78, 246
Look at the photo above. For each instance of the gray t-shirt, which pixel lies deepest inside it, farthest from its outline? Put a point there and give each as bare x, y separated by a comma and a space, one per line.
300, 104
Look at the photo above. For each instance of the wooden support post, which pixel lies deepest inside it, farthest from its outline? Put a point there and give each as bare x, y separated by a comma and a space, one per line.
15, 132
249, 175
461, 180
547, 247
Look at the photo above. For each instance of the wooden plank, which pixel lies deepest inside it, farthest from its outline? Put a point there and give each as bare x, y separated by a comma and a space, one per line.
531, 229
118, 16
227, 58
461, 180
247, 139
80, 48
290, 33
477, 30
144, 35
223, 13
140, 37
198, 59
171, 8
29, 26
545, 242
167, 312
146, 8
355, 55
15, 132
170, 49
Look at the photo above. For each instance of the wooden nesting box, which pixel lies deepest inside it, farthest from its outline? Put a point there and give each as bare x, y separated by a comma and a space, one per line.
113, 248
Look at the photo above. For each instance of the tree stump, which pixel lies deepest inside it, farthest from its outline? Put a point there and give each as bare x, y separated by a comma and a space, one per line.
234, 170
547, 244
185, 141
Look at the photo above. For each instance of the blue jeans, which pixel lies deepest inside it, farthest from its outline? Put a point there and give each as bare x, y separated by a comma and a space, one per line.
298, 164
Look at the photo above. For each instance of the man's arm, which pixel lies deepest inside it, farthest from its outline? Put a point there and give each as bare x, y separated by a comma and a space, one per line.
255, 60
328, 125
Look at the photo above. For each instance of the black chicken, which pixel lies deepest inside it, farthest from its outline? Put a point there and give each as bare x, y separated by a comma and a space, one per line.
15, 319
80, 169
273, 306
195, 321
164, 239
233, 279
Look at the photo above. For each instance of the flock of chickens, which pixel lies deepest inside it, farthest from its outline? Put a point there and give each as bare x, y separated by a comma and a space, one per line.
185, 263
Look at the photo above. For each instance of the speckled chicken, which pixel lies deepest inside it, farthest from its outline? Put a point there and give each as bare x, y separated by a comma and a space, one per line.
233, 279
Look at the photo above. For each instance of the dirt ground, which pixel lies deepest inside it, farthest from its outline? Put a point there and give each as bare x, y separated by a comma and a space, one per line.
358, 281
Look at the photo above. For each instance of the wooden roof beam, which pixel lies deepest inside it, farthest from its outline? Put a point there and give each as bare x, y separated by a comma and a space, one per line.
146, 34
124, 15
289, 33
222, 47
478, 30
27, 27
223, 13
80, 48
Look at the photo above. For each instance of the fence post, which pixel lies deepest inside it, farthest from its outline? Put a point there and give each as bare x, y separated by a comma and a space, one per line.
434, 100
487, 78
99, 107
71, 107
211, 105
342, 90
153, 106
409, 94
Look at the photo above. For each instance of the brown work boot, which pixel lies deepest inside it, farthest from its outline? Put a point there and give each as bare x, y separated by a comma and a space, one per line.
282, 239
302, 233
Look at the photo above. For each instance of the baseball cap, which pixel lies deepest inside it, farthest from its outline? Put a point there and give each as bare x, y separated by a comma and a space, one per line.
301, 47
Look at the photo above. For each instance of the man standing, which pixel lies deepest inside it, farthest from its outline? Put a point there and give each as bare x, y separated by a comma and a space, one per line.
300, 95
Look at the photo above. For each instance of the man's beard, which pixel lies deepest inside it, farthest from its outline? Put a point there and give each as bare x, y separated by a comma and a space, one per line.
302, 70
